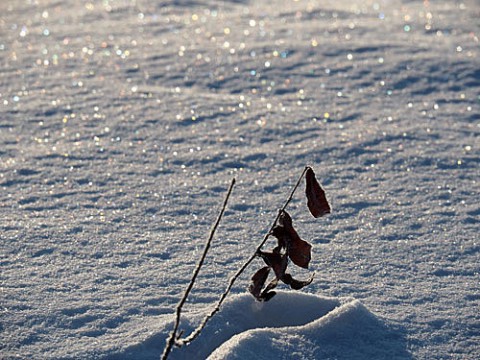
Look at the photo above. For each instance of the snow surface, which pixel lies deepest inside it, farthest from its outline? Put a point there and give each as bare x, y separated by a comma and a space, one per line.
123, 122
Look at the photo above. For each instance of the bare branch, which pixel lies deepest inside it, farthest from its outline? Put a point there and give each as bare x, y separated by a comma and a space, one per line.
173, 335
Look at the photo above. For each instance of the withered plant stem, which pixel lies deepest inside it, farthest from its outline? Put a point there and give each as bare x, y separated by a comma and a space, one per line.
173, 335
196, 332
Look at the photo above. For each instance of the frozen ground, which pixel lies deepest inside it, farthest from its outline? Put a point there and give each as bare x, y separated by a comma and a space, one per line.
123, 122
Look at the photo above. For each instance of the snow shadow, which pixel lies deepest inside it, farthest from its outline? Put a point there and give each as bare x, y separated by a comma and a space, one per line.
290, 326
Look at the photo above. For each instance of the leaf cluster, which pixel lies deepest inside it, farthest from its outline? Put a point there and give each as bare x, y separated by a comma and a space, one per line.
289, 245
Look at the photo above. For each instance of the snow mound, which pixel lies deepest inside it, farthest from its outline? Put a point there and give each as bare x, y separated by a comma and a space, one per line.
291, 325
350, 331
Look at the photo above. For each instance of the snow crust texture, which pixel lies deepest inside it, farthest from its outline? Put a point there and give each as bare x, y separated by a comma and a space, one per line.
123, 122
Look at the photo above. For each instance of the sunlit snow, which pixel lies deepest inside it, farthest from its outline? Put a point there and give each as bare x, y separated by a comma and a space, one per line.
122, 123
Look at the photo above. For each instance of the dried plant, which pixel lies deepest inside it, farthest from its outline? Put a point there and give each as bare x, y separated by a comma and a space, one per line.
290, 247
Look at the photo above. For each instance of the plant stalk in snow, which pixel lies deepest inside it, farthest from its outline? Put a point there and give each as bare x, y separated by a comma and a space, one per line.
196, 332
173, 335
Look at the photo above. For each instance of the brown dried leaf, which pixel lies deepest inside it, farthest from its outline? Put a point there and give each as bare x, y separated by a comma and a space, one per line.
300, 253
279, 232
296, 284
267, 294
298, 250
272, 285
316, 200
258, 280
276, 261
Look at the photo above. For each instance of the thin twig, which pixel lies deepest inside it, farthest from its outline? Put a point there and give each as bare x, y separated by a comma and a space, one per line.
173, 334
196, 332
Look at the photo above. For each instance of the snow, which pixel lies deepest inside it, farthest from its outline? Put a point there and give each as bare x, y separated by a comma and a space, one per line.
349, 331
291, 325
123, 122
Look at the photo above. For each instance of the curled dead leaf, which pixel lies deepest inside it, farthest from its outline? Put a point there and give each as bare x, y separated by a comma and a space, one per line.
279, 232
276, 261
267, 294
296, 284
298, 250
258, 280
316, 200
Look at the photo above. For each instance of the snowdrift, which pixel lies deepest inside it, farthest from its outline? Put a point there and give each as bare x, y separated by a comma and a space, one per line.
290, 326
